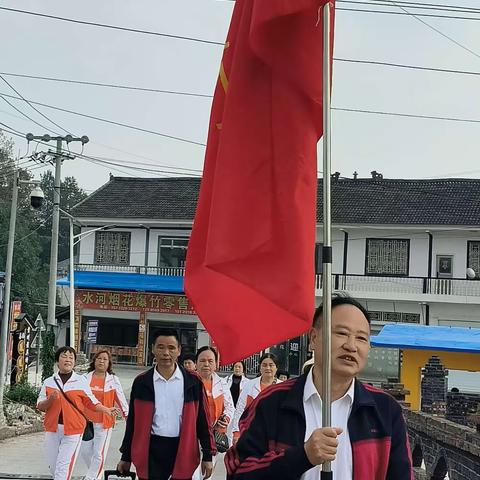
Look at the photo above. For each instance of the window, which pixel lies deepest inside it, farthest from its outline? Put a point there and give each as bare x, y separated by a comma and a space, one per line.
387, 257
473, 257
394, 317
112, 248
172, 251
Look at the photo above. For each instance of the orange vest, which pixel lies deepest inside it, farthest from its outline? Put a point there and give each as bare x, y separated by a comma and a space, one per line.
108, 392
78, 391
219, 399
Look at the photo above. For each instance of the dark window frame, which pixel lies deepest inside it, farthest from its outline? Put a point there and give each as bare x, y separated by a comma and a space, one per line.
477, 272
400, 275
95, 249
159, 246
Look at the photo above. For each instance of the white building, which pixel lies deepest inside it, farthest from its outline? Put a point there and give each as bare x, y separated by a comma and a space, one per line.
401, 247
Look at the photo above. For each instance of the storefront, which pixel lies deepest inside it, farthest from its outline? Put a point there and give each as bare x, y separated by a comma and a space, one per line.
123, 322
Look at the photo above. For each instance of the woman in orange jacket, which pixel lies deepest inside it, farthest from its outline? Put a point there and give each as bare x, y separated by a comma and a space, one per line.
64, 397
107, 389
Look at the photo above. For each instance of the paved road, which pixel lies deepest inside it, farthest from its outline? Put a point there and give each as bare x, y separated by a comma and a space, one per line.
24, 454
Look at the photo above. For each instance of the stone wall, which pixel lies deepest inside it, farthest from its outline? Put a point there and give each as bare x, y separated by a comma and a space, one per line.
444, 446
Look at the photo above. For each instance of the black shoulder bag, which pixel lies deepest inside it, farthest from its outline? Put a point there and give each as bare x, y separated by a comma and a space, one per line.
88, 433
221, 439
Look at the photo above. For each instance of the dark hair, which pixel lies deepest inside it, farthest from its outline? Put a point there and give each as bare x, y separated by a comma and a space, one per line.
204, 349
165, 332
272, 356
283, 372
189, 356
65, 349
91, 367
243, 365
337, 300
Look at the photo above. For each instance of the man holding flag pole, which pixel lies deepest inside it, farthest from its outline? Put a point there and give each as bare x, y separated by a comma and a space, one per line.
252, 249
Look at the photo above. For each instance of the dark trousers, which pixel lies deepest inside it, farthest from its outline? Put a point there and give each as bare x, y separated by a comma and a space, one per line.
161, 457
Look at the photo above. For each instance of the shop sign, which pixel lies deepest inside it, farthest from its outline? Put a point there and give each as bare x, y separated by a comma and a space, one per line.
135, 301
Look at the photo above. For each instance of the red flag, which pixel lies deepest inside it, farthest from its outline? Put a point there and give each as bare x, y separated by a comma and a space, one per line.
250, 261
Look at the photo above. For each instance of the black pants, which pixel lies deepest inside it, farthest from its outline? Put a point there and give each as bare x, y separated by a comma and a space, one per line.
161, 457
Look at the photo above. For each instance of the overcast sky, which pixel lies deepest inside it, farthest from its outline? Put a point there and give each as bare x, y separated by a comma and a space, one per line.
397, 147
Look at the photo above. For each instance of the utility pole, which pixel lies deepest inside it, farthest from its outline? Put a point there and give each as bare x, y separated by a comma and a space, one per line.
52, 283
36, 200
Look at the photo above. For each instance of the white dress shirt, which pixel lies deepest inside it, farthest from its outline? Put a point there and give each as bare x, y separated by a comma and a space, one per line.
342, 467
167, 418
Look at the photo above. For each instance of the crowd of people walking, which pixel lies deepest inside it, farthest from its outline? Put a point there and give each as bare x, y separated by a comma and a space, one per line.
182, 416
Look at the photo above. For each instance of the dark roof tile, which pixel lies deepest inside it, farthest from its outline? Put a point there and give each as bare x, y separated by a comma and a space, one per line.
361, 201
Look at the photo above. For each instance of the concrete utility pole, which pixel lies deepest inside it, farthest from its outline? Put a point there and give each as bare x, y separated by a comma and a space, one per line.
52, 283
36, 200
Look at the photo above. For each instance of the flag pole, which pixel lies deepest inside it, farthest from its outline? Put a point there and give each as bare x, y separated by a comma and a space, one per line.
327, 236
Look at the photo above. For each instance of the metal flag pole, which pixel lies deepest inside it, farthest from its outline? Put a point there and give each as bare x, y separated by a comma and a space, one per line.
327, 237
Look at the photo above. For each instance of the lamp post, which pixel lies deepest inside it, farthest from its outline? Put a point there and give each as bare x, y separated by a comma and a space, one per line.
36, 200
74, 239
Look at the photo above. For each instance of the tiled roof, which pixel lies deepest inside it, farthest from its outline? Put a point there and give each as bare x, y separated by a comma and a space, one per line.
360, 201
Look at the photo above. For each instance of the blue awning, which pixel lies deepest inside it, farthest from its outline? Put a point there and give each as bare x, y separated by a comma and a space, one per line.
127, 282
422, 337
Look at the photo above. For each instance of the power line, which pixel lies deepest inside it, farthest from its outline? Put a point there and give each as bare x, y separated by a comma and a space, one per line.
23, 113
195, 170
193, 94
407, 115
112, 27
112, 122
425, 4
32, 106
108, 85
140, 169
415, 5
123, 163
431, 15
411, 67
29, 234
431, 27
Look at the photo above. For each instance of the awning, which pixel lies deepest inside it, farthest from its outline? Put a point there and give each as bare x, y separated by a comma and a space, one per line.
134, 282
422, 337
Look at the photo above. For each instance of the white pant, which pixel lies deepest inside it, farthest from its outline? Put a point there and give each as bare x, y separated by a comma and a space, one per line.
94, 452
61, 452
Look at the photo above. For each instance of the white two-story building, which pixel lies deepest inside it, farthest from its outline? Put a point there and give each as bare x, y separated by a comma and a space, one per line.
402, 247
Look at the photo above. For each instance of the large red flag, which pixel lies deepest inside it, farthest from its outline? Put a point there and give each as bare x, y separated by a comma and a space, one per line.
250, 262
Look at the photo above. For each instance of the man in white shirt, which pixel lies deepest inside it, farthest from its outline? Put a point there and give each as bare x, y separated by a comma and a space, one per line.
168, 417
281, 434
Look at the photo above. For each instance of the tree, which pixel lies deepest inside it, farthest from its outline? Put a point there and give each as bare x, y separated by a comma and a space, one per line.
48, 353
29, 276
70, 195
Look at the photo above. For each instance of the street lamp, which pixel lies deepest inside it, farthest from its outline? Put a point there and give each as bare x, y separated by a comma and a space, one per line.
36, 200
74, 239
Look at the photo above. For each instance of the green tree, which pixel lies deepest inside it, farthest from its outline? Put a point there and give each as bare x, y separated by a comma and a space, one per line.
29, 276
48, 353
70, 195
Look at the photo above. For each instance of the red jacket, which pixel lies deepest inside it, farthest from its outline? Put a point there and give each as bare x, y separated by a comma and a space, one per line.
195, 426
272, 436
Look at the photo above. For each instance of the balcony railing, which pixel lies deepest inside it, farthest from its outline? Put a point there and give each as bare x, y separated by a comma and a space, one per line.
350, 283
173, 271
405, 285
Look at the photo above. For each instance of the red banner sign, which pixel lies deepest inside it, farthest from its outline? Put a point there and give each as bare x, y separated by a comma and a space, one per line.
134, 302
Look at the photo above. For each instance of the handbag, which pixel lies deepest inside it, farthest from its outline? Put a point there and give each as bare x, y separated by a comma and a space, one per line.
221, 440
88, 433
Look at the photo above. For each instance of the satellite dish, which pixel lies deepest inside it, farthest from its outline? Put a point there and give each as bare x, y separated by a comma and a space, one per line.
471, 273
